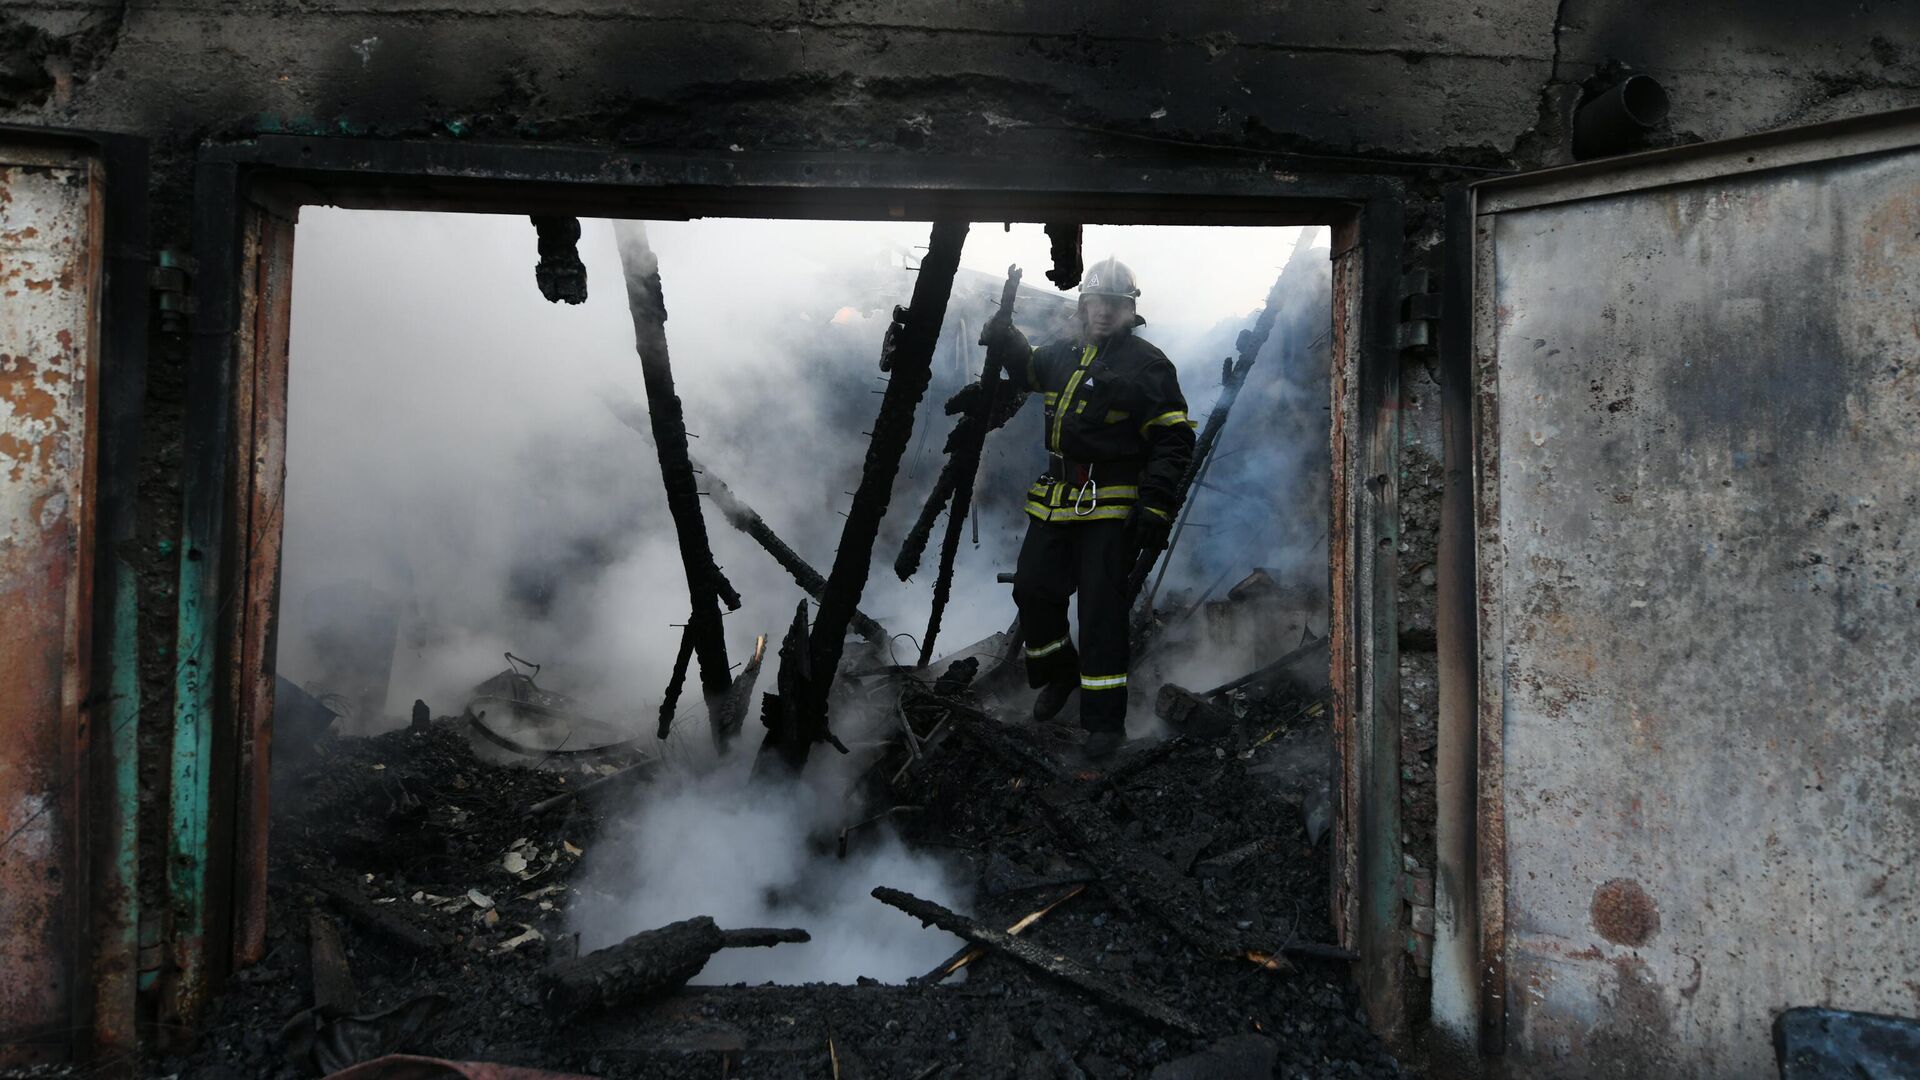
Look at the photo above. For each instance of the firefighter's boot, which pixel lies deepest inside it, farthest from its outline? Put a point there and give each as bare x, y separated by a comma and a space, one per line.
1053, 697
1101, 745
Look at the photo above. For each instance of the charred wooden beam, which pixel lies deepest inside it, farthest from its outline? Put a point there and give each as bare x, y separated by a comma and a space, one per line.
1270, 674
561, 275
333, 986
670, 700
981, 407
740, 697
742, 516
1064, 243
908, 355
648, 964
963, 450
706, 586
969, 953
613, 782
791, 729
1190, 714
1044, 961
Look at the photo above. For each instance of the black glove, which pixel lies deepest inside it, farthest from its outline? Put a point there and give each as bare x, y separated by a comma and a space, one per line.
1146, 530
1006, 338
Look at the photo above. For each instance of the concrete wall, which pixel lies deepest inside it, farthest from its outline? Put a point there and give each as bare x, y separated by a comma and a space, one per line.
1432, 91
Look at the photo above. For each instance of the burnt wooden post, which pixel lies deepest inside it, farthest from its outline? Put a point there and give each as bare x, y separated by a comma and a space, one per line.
963, 464
706, 586
908, 355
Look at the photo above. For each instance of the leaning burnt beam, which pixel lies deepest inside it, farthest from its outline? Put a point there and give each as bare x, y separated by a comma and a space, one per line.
671, 699
908, 355
1233, 375
1044, 961
706, 586
982, 407
742, 516
963, 450
648, 964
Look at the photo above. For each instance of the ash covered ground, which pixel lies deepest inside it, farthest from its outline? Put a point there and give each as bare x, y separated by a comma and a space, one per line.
1176, 860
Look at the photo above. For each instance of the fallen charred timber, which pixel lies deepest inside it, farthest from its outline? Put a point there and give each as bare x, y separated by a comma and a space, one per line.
648, 964
1041, 960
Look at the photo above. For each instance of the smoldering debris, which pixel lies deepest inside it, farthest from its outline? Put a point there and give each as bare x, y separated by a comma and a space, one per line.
1179, 885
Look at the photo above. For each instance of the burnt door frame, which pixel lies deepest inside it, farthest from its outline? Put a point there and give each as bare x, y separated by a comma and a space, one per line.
227, 567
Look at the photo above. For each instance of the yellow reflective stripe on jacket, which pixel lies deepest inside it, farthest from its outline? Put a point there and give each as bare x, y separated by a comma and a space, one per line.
1102, 682
1167, 419
1062, 514
1159, 513
1066, 398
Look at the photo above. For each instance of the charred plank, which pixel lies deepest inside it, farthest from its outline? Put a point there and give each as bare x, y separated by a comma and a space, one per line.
374, 918
1043, 961
670, 700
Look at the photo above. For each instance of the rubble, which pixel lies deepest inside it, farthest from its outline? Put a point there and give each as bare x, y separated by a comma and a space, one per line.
1159, 878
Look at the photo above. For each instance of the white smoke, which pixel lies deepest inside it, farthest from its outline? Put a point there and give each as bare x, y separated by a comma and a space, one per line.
759, 853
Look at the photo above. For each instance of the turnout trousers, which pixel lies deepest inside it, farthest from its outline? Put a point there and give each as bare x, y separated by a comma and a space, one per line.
1093, 559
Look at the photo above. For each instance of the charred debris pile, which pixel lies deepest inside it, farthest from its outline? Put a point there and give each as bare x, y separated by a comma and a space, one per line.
1161, 914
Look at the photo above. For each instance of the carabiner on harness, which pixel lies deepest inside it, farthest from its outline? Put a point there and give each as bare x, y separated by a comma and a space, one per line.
1086, 492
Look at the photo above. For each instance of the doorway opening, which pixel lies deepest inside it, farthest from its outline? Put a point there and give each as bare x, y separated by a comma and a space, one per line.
1199, 609
482, 596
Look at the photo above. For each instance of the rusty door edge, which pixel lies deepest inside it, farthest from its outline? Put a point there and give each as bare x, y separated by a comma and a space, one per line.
205, 520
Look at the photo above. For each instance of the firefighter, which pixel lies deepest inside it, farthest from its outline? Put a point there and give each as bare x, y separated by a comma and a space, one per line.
1118, 441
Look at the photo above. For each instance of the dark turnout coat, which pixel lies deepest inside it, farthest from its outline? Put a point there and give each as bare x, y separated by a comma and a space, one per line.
1117, 430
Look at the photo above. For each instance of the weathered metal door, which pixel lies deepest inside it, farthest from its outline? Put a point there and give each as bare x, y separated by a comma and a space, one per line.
1698, 483
52, 219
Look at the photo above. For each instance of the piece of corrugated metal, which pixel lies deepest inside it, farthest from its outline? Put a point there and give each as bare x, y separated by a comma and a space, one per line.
51, 221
